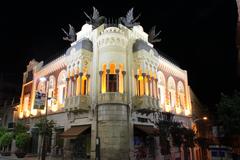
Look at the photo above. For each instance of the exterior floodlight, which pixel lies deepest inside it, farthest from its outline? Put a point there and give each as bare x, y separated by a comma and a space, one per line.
200, 119
205, 118
43, 79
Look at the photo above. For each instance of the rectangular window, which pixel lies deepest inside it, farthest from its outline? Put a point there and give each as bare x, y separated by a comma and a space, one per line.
84, 86
140, 119
112, 83
222, 154
214, 154
139, 87
26, 102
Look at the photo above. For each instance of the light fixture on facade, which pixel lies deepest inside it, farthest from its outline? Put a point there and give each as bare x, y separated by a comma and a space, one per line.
21, 115
200, 119
178, 110
205, 118
42, 79
187, 112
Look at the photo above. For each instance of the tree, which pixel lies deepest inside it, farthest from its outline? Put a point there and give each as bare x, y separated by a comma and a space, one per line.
22, 140
177, 135
188, 142
164, 136
2, 131
204, 144
45, 126
45, 130
5, 141
163, 122
20, 128
174, 131
228, 120
228, 114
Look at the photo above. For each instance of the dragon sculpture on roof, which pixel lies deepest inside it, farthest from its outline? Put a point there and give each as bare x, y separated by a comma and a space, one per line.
153, 36
129, 20
71, 35
95, 19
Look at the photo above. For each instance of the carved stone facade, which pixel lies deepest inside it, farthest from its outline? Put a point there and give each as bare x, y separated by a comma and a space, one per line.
106, 80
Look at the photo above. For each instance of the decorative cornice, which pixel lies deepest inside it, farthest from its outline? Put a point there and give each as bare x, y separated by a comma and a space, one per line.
51, 67
112, 36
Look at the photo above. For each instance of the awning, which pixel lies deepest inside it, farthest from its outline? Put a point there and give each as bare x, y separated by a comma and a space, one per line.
74, 131
147, 129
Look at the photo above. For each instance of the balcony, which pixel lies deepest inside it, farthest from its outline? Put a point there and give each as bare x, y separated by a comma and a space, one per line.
77, 103
145, 103
112, 97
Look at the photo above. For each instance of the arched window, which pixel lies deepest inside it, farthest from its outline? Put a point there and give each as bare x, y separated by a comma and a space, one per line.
84, 82
161, 87
110, 79
51, 90
61, 86
181, 94
41, 87
171, 91
26, 101
121, 78
140, 83
104, 78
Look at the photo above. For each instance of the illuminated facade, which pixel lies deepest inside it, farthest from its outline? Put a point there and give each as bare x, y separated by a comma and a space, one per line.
101, 87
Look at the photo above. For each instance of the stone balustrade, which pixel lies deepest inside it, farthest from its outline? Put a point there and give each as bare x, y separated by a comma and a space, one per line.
145, 103
112, 97
77, 103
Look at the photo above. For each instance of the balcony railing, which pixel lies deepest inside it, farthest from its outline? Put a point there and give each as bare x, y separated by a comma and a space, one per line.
145, 103
77, 103
112, 97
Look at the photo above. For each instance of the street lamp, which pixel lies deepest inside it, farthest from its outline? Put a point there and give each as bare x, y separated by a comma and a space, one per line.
43, 79
199, 119
205, 118
203, 134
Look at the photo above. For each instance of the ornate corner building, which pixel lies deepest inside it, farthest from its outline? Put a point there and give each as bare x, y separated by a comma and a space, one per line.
99, 92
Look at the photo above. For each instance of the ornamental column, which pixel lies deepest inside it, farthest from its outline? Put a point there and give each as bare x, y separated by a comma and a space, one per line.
53, 142
108, 71
144, 89
117, 74
80, 83
75, 84
156, 88
149, 89
100, 75
72, 86
87, 81
67, 80
152, 86
124, 81
137, 88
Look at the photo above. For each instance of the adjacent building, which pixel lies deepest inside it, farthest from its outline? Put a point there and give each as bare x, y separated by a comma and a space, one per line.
100, 93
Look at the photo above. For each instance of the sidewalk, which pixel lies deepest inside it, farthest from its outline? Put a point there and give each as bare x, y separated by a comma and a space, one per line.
27, 157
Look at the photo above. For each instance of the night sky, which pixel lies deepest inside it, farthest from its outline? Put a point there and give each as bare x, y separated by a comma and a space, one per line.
197, 35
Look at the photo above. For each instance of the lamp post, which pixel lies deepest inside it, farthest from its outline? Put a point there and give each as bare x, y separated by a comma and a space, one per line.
200, 119
205, 118
43, 153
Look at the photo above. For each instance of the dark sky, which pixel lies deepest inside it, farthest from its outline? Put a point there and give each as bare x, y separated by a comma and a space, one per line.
198, 35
